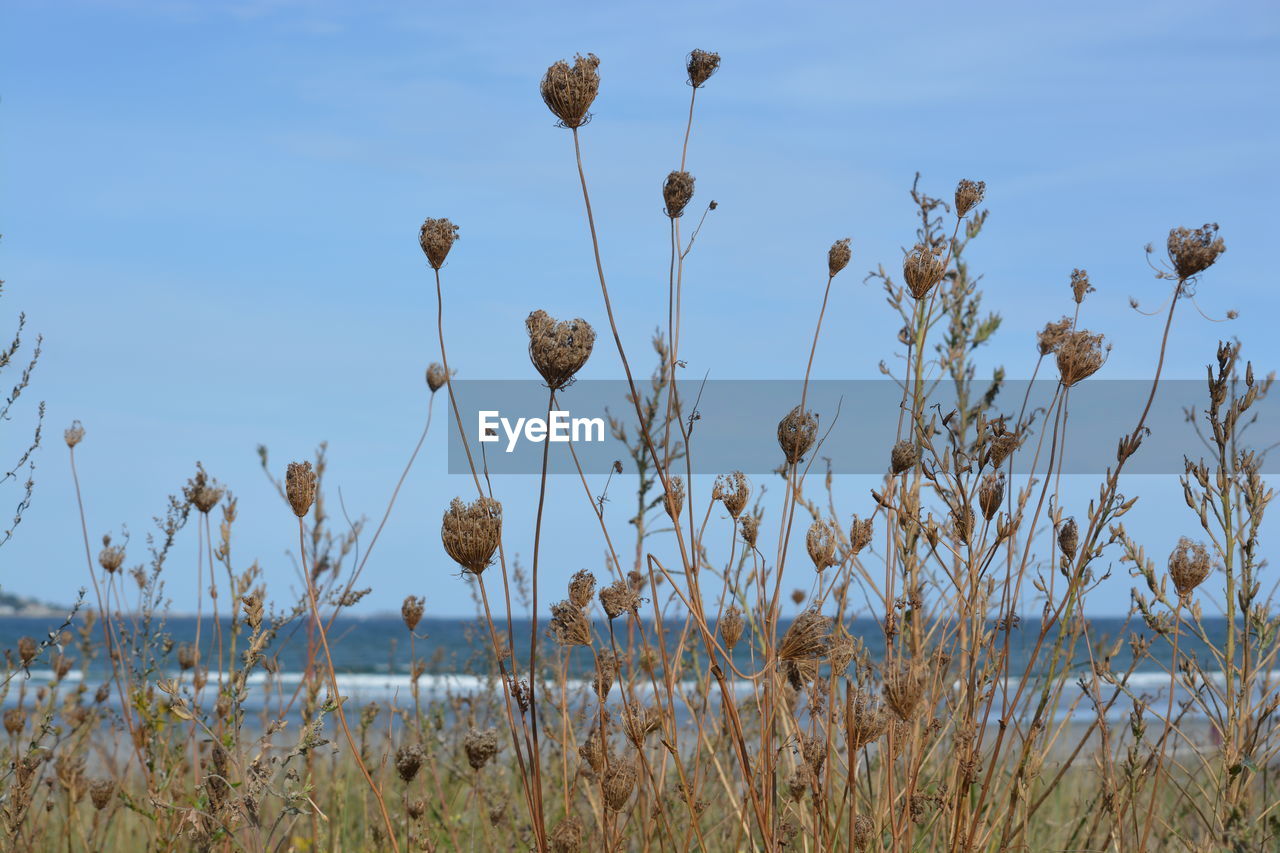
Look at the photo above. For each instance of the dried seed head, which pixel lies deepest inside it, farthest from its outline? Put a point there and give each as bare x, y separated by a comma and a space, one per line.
202, 491
730, 627
806, 638
733, 491
1047, 340
863, 829
798, 783
1080, 285
677, 190
860, 533
701, 64
408, 760
101, 792
568, 91
1188, 567
797, 596
436, 237
480, 746
569, 626
567, 836
111, 557
415, 808
558, 350
300, 487
750, 526
471, 532
436, 377
841, 651
27, 649
638, 722
674, 497
904, 685
968, 195
991, 495
1194, 250
821, 543
903, 457
15, 720
1080, 355
1001, 446
1068, 537
618, 598
838, 256
582, 588
73, 434
187, 657
619, 782
865, 720
962, 523
411, 611
922, 269
606, 670
814, 750
796, 433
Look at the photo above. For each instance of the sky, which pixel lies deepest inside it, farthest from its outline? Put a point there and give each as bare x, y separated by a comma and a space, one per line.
210, 214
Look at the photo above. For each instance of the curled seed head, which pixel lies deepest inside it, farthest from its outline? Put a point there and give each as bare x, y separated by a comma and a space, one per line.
582, 588
865, 720
962, 522
618, 598
904, 686
841, 651
566, 837
411, 611
796, 434
558, 349
73, 434
991, 495
408, 761
111, 557
674, 496
480, 747
471, 532
1047, 339
863, 829
733, 491
436, 377
202, 491
1001, 446
750, 526
968, 195
903, 457
1194, 250
101, 792
922, 269
1080, 355
860, 532
814, 750
730, 627
797, 596
806, 638
27, 650
1068, 537
568, 91
569, 626
677, 190
701, 65
606, 670
1188, 567
1080, 286
619, 782
638, 722
187, 657
436, 237
15, 720
838, 256
300, 487
821, 543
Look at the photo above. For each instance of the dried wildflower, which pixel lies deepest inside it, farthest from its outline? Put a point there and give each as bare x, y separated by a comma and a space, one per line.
863, 829
796, 433
1194, 250
838, 256
606, 670
730, 627
860, 532
797, 596
1080, 285
411, 611
101, 792
618, 598
619, 782
582, 588
27, 650
1068, 537
677, 191
841, 651
436, 237
408, 760
821, 543
904, 686
1001, 447
558, 349
569, 626
701, 65
202, 491
674, 497
962, 522
568, 91
187, 657
922, 269
1080, 355
968, 195
471, 531
1188, 567
638, 722
415, 808
111, 557
15, 720
480, 747
300, 487
806, 637
733, 491
595, 751
1047, 339
798, 783
566, 837
436, 376
814, 750
903, 457
865, 720
991, 495
73, 434
750, 526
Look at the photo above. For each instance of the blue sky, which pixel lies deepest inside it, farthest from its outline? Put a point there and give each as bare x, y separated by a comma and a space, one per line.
210, 211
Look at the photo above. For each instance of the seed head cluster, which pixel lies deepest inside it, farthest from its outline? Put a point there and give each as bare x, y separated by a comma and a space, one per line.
923, 269
436, 237
1188, 567
471, 532
300, 487
701, 65
677, 191
569, 90
1194, 250
796, 434
558, 349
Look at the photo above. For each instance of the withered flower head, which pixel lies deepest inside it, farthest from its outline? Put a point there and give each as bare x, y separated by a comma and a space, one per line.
1080, 355
677, 190
619, 782
436, 237
1068, 537
838, 256
841, 651
923, 269
569, 626
1001, 446
797, 596
436, 377
15, 720
408, 760
969, 194
865, 720
796, 434
101, 792
186, 656
863, 830
568, 91
673, 498
202, 491
411, 611
638, 722
904, 685
111, 557
701, 64
1053, 334
606, 670
1080, 285
471, 532
903, 457
558, 350
567, 836
750, 526
1194, 250
859, 535
807, 637
821, 543
300, 487
582, 588
733, 491
991, 495
618, 598
480, 747
1188, 567
73, 434
27, 650
730, 627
